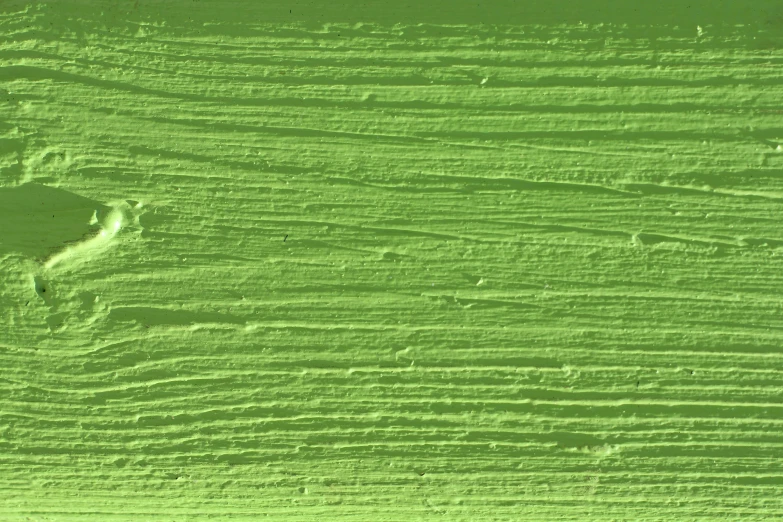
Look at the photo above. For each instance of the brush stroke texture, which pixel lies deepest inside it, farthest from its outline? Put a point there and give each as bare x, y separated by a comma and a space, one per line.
358, 267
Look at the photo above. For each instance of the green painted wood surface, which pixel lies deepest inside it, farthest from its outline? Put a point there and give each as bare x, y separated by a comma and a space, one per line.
374, 261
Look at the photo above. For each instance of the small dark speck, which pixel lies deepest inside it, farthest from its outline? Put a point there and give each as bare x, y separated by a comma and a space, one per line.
286, 237
637, 383
43, 289
421, 474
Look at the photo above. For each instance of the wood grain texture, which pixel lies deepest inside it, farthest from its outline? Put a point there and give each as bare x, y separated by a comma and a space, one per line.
333, 263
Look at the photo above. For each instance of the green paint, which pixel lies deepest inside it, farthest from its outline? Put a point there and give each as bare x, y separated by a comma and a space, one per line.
38, 220
372, 261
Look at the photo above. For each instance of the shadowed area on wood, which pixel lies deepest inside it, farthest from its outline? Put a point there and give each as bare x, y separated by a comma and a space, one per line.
37, 220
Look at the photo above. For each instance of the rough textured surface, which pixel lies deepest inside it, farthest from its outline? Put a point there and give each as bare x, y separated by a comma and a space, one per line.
364, 262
